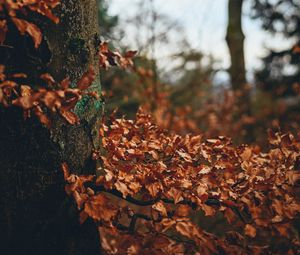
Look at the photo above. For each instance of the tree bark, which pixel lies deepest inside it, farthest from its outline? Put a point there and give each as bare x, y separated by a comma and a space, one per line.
235, 41
36, 216
237, 71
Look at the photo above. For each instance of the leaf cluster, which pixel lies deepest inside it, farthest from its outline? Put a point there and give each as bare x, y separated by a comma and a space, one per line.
174, 176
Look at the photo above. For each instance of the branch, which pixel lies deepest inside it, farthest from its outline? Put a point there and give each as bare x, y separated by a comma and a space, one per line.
238, 182
132, 200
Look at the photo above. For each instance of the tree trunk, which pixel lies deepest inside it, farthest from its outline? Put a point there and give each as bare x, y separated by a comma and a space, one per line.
235, 42
36, 216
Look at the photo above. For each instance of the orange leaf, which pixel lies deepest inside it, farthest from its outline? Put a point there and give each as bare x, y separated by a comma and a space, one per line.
25, 26
99, 208
47, 78
250, 230
87, 79
246, 155
3, 31
296, 49
159, 206
65, 170
71, 117
187, 229
43, 8
130, 54
122, 188
83, 216
65, 83
25, 102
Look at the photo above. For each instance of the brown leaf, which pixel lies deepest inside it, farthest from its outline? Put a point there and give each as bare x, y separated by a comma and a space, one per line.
122, 187
44, 9
208, 210
166, 224
25, 102
80, 199
161, 242
71, 117
185, 156
65, 83
246, 155
187, 229
87, 79
159, 206
18, 75
43, 118
65, 170
296, 49
273, 137
175, 194
99, 208
154, 188
130, 54
3, 31
26, 91
250, 230
83, 216
183, 211
48, 78
25, 26
283, 229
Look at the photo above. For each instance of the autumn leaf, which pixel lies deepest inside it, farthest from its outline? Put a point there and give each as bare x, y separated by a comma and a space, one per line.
183, 211
246, 154
65, 83
159, 206
80, 199
27, 27
48, 78
71, 117
250, 230
65, 170
296, 49
109, 58
87, 79
83, 216
43, 118
208, 210
26, 102
3, 31
153, 188
166, 224
122, 187
130, 54
99, 208
273, 137
175, 194
187, 229
45, 7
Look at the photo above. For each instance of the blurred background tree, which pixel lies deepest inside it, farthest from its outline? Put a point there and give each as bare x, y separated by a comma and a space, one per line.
280, 73
179, 84
235, 41
278, 79
107, 22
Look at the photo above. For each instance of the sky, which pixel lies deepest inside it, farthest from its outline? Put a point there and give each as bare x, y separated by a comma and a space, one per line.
204, 22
